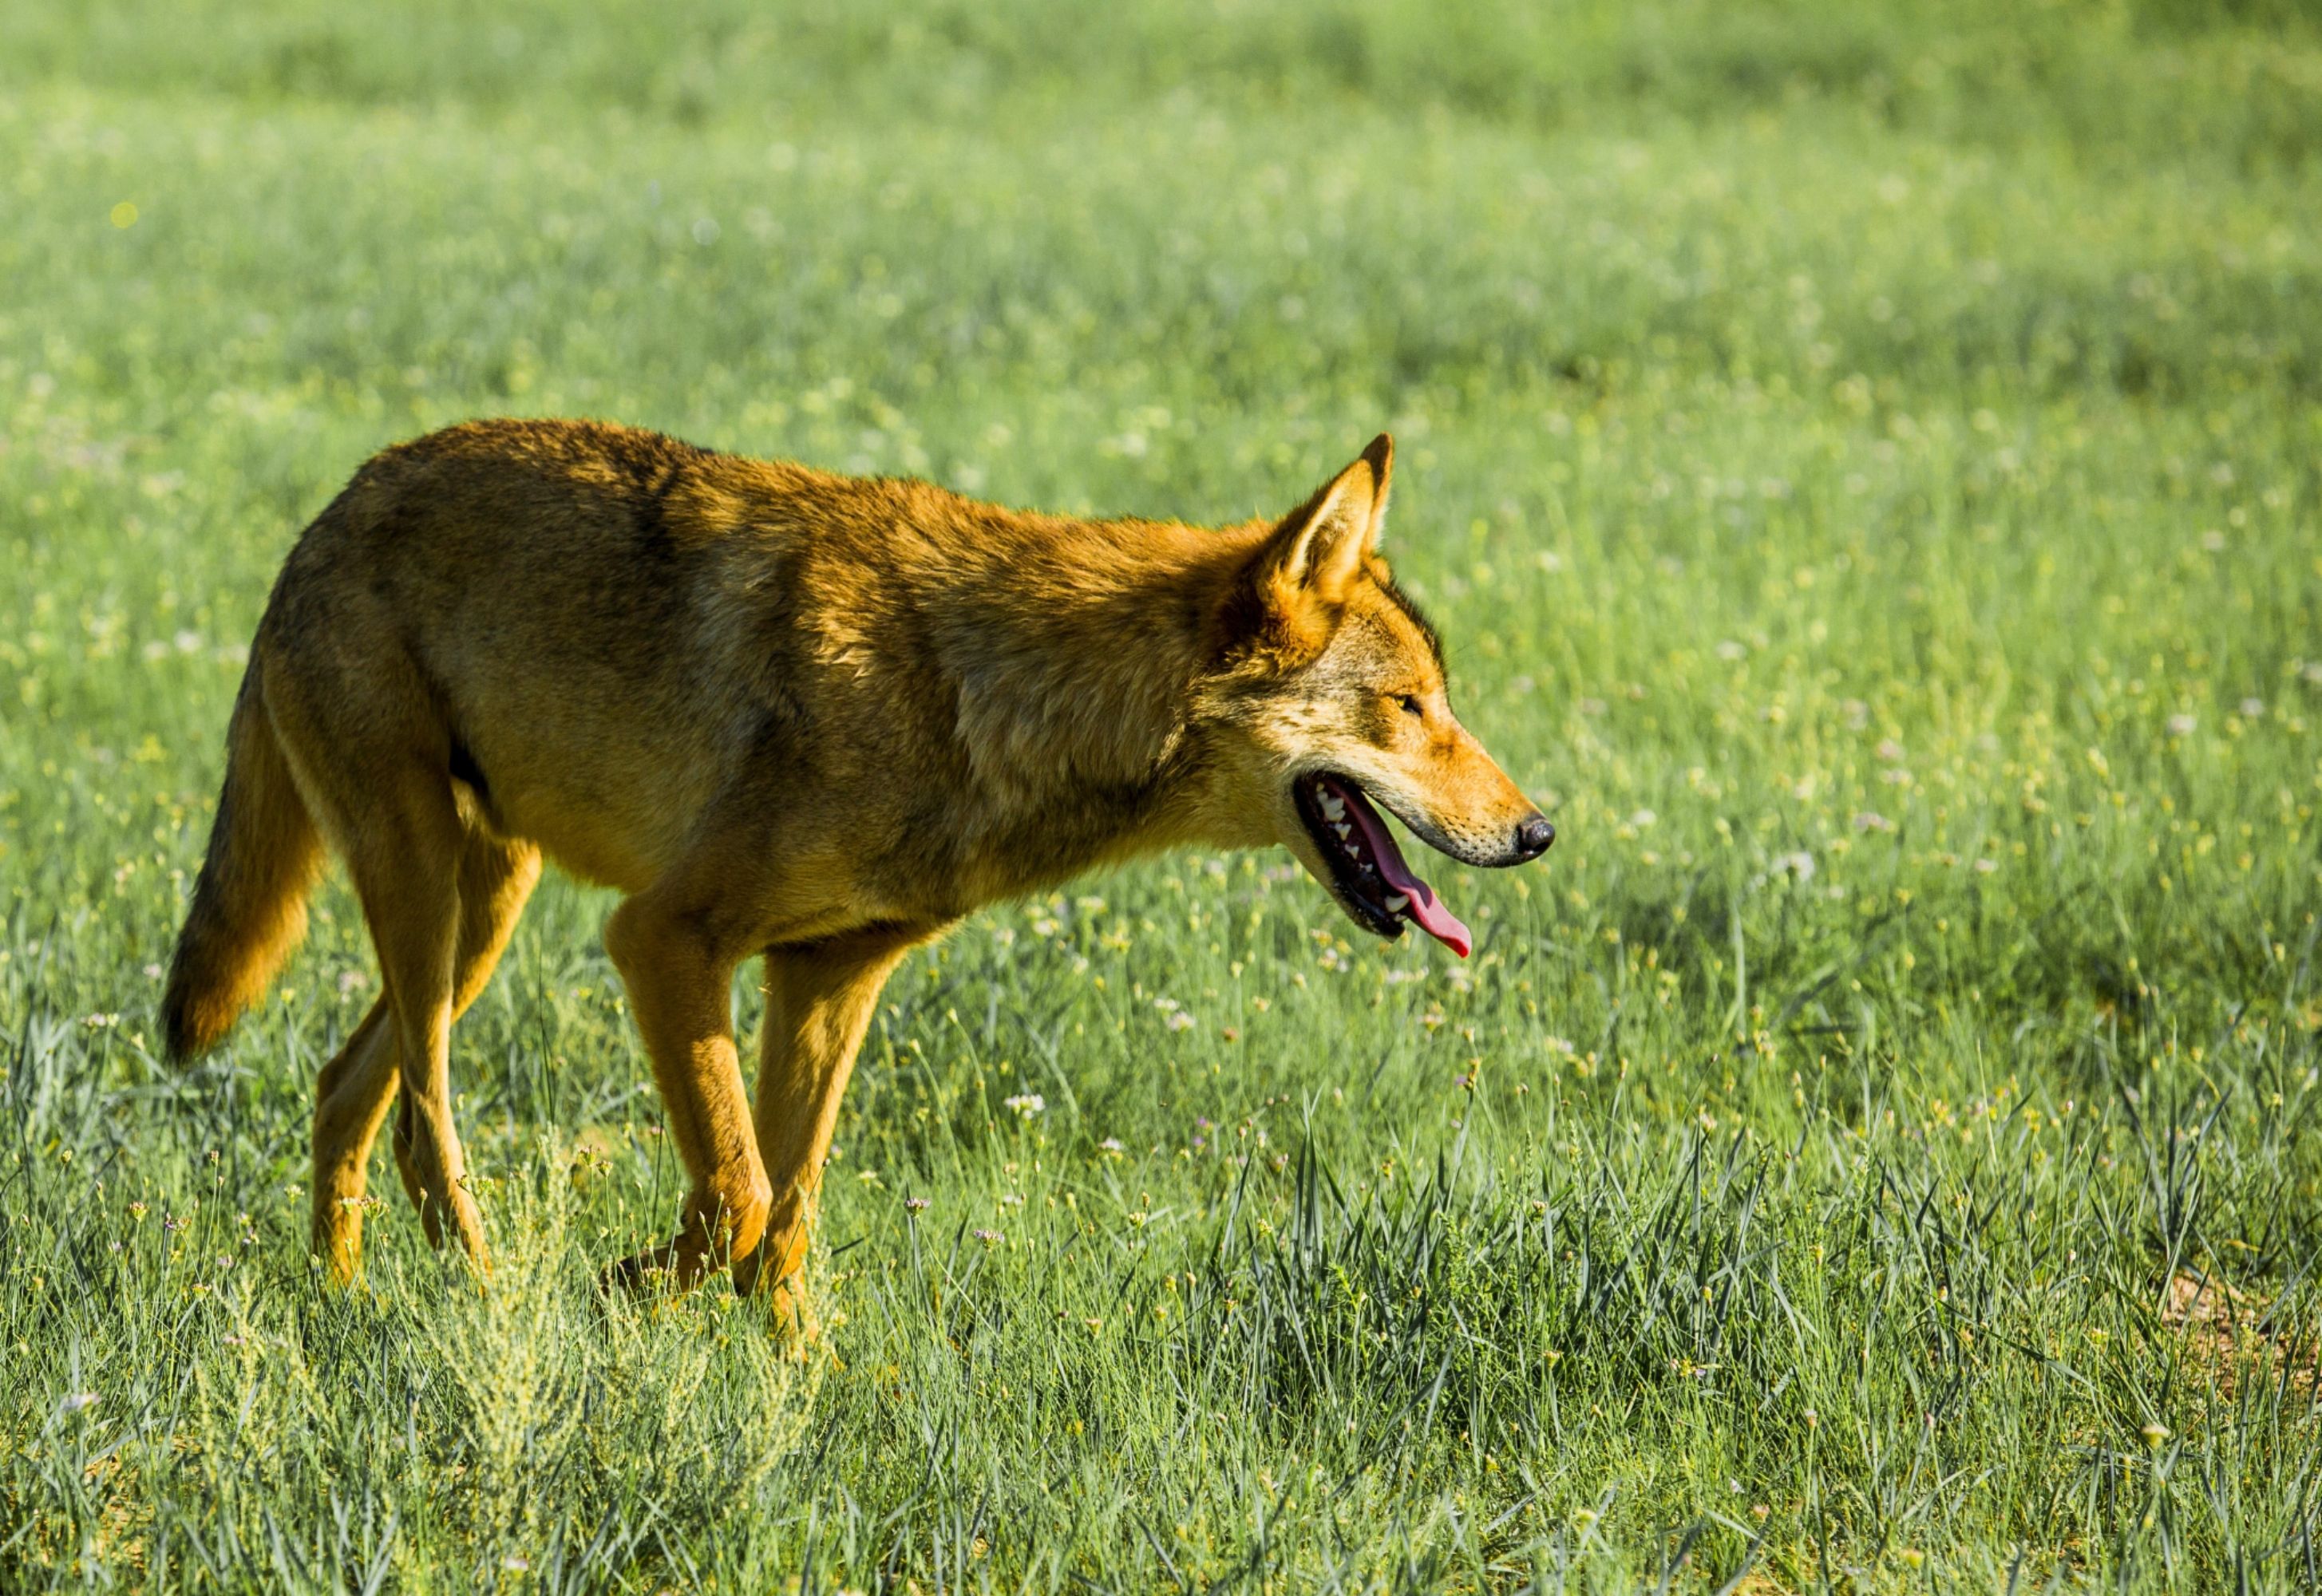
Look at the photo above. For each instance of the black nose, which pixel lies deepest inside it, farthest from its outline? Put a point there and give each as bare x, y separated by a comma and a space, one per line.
1534, 835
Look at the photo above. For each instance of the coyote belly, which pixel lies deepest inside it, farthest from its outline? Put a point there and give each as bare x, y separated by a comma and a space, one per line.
789, 715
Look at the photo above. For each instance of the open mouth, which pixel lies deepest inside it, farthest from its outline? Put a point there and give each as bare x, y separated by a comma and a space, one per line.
1374, 882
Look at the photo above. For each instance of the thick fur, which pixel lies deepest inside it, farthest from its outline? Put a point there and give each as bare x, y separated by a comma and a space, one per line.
249, 901
787, 714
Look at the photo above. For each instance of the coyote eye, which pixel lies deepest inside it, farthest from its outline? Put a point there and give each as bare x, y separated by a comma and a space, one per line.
1411, 705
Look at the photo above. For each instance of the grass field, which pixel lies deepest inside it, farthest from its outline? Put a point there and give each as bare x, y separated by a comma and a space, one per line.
1868, 464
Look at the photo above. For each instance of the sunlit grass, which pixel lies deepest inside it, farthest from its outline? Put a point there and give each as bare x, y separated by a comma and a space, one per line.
1866, 473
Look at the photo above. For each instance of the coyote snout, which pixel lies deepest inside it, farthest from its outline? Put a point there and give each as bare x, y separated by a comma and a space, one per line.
788, 715
1356, 707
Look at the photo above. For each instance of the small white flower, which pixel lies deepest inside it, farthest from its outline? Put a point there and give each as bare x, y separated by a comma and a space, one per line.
75, 1402
1026, 1104
2181, 725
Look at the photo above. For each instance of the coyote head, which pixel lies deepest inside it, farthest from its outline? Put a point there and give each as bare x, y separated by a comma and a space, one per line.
1333, 707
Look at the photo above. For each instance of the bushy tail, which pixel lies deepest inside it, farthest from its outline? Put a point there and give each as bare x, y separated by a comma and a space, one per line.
249, 902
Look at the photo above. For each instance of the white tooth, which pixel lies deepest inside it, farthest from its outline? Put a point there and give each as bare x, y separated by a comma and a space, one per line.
1344, 830
1396, 903
1334, 808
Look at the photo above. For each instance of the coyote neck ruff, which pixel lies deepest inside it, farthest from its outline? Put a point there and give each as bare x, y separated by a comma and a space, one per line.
790, 715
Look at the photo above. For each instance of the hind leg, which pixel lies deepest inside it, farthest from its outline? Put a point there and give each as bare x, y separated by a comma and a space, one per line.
496, 875
350, 1099
404, 854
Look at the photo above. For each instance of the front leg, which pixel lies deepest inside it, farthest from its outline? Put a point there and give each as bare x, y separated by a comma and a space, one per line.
819, 1000
677, 958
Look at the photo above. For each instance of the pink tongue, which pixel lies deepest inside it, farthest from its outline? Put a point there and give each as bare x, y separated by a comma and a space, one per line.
1425, 911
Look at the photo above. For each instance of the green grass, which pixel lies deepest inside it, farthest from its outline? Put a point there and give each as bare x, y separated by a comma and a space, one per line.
1866, 462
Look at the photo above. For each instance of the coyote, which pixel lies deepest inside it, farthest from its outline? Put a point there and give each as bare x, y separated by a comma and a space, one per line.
788, 713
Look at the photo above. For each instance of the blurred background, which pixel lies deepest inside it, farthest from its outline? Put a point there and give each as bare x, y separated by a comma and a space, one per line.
869, 235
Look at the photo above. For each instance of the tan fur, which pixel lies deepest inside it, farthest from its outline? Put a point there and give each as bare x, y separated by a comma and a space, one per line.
787, 714
249, 901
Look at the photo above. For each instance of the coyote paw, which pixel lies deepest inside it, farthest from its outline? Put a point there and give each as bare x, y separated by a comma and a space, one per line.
789, 1307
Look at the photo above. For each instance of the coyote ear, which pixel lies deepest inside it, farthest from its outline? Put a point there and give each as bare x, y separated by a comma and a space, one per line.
1310, 564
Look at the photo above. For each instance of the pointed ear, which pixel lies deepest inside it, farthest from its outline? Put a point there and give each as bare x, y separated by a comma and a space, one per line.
1310, 564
